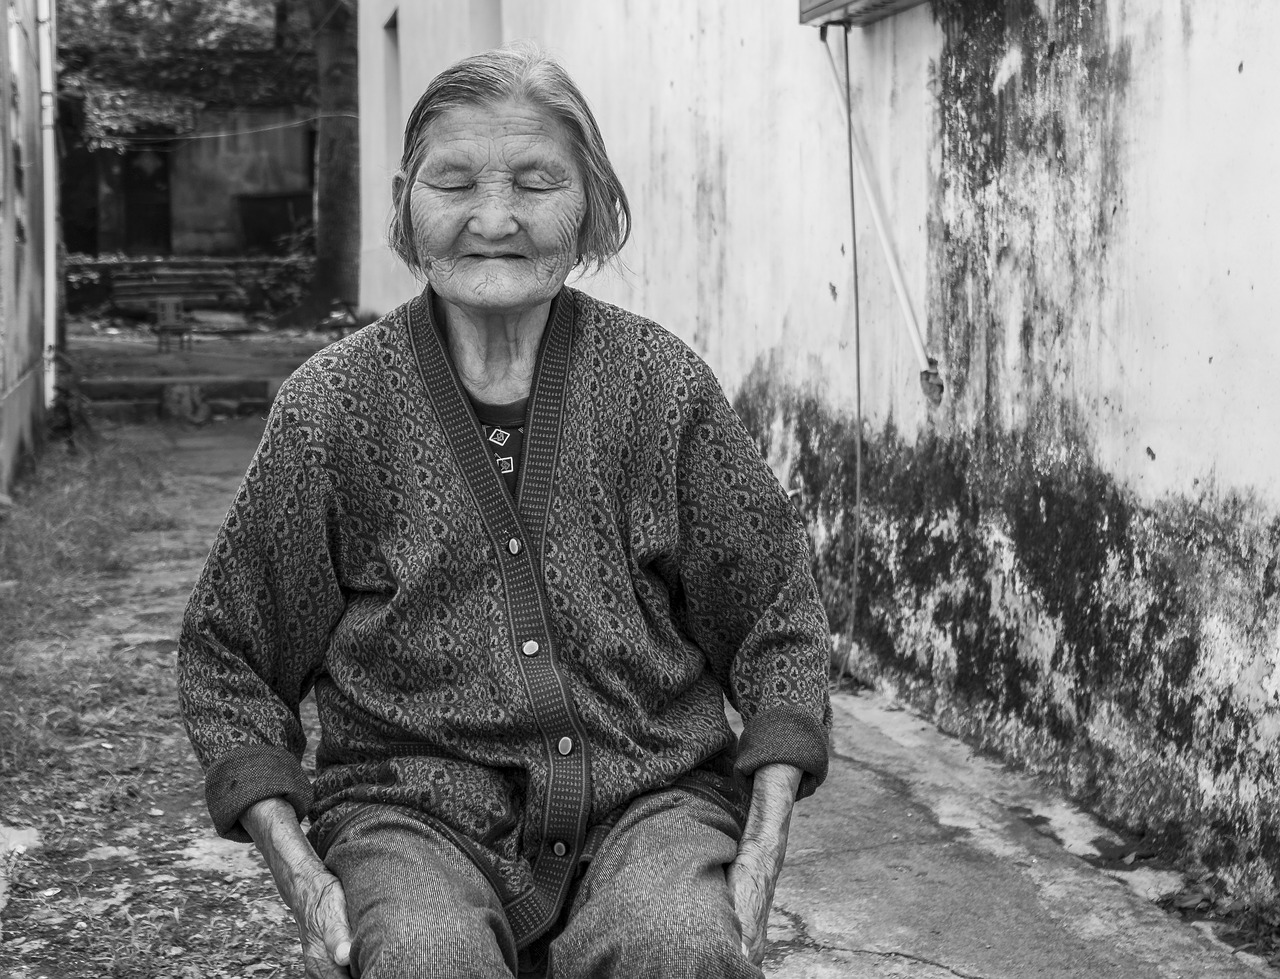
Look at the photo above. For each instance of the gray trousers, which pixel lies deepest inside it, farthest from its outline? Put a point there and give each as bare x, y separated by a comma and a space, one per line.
653, 902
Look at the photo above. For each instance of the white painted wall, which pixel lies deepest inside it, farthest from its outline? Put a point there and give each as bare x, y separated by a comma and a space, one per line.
723, 122
1196, 288
22, 239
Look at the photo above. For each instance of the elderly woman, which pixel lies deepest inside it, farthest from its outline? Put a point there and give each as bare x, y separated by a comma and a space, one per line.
521, 549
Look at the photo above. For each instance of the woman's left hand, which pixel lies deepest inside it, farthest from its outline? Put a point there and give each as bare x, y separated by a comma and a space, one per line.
754, 873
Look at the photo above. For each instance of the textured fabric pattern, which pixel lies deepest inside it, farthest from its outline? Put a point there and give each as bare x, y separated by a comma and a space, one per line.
653, 903
365, 556
416, 905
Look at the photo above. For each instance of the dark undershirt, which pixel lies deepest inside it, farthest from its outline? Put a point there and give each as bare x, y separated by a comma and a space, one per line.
503, 427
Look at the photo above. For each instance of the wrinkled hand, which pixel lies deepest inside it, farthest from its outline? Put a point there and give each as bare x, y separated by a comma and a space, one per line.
754, 873
752, 877
313, 894
320, 909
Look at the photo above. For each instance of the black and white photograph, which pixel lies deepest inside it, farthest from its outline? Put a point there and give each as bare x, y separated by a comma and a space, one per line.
601, 489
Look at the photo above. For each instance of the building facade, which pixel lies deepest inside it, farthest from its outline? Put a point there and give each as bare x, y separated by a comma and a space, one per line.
219, 162
26, 266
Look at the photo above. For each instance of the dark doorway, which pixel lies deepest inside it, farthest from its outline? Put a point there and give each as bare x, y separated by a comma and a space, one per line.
145, 185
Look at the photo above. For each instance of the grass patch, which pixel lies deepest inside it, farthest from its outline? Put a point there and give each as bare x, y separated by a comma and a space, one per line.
71, 519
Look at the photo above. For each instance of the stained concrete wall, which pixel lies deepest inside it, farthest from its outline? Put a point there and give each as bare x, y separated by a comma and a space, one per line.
1071, 559
234, 152
21, 242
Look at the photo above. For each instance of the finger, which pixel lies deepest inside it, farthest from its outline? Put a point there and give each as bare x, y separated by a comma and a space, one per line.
318, 965
332, 924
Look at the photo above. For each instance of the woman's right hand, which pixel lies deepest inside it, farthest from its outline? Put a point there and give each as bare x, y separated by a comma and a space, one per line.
313, 894
320, 909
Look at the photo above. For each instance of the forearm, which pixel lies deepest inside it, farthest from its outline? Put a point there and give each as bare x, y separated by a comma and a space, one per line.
773, 796
313, 894
273, 825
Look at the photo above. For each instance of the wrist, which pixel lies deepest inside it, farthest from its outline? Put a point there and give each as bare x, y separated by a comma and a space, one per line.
773, 794
293, 863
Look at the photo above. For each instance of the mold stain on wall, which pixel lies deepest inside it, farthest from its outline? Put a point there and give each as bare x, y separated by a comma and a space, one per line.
1008, 584
1032, 605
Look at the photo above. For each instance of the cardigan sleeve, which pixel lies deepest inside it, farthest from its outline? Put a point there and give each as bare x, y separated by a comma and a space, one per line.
750, 600
257, 624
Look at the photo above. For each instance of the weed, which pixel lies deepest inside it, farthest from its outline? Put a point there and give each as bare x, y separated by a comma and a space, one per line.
70, 518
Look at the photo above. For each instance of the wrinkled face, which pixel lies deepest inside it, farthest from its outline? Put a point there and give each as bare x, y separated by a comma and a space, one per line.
496, 206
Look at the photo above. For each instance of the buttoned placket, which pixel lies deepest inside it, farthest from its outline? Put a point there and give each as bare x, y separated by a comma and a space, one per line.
516, 532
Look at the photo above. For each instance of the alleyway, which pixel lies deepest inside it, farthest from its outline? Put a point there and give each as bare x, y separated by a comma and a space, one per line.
915, 860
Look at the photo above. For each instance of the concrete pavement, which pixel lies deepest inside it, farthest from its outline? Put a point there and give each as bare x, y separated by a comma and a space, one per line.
919, 859
916, 858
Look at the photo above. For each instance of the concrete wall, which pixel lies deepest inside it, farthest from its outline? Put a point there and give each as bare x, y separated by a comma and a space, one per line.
21, 242
235, 151
1072, 558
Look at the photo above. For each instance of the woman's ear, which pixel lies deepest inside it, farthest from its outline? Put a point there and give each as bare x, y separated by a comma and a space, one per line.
398, 180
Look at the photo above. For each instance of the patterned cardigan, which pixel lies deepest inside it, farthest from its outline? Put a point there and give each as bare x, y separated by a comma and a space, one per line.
512, 670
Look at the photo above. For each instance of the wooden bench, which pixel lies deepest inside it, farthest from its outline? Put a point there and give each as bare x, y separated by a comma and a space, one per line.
137, 290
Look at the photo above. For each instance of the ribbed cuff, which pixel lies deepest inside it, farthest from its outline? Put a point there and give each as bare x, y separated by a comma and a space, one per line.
788, 735
247, 775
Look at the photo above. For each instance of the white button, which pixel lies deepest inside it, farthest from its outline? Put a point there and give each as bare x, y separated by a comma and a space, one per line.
513, 545
530, 648
559, 849
565, 746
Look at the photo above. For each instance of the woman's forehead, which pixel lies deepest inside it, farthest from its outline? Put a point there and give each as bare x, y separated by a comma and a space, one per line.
506, 128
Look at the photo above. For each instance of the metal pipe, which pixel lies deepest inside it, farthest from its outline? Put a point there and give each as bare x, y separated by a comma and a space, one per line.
49, 198
857, 374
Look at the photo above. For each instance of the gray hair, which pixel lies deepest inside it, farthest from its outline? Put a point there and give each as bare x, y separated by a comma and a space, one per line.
521, 72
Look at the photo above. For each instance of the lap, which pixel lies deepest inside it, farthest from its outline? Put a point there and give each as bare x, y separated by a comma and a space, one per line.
416, 905
653, 901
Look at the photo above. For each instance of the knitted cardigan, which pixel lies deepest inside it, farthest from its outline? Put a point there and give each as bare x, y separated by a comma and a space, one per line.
514, 670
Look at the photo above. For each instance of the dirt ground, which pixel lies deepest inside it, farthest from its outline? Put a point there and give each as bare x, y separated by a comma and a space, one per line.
126, 879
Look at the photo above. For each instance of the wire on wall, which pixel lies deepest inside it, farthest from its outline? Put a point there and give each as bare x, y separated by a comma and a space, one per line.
188, 137
857, 346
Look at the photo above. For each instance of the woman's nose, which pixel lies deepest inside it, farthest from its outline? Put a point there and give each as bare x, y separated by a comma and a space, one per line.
494, 215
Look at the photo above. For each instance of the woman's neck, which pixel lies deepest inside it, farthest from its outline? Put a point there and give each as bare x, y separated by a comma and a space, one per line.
495, 355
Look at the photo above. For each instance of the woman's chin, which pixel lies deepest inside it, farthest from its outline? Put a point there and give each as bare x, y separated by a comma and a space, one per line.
492, 295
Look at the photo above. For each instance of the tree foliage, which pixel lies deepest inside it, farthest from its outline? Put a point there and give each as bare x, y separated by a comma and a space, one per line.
149, 66
146, 27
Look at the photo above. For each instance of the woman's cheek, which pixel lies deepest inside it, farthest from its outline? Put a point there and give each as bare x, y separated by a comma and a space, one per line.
562, 223
437, 224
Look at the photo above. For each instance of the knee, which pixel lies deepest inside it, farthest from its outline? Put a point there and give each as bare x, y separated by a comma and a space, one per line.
417, 948
693, 945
